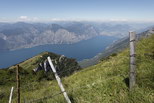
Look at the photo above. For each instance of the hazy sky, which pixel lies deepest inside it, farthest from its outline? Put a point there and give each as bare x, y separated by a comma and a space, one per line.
98, 10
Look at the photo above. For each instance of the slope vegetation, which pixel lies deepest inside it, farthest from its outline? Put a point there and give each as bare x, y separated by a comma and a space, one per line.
106, 82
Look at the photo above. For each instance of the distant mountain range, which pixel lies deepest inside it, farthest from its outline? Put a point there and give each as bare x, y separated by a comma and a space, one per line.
25, 35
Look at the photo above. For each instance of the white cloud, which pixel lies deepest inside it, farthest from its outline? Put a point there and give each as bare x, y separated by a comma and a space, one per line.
23, 17
26, 18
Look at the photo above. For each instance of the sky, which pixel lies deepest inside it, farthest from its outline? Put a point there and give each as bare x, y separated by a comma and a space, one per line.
89, 10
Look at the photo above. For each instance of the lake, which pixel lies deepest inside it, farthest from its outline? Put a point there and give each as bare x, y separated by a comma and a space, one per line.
82, 50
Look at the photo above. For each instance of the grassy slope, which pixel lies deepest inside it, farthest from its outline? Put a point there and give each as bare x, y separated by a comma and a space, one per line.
8, 76
105, 82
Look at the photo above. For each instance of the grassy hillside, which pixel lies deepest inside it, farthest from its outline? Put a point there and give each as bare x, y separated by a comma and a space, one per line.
106, 82
28, 76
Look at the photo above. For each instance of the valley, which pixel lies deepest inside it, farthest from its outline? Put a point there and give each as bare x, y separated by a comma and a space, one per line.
82, 50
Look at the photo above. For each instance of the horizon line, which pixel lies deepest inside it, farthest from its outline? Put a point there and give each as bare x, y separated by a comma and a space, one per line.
75, 20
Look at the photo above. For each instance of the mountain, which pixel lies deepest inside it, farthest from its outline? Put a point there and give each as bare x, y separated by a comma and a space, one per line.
80, 29
26, 35
106, 82
114, 48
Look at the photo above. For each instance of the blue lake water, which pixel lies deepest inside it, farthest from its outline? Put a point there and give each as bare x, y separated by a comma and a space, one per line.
81, 50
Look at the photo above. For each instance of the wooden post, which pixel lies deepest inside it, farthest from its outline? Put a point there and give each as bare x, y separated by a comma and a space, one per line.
59, 81
18, 84
132, 73
10, 99
24, 100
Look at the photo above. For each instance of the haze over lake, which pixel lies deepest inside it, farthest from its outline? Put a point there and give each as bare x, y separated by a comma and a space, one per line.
81, 50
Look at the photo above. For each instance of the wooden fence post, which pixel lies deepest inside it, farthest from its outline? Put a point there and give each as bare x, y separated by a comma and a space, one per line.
18, 84
24, 100
10, 99
59, 80
132, 72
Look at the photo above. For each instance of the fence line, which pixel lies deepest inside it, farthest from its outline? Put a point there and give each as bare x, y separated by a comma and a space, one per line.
102, 67
48, 97
61, 72
30, 84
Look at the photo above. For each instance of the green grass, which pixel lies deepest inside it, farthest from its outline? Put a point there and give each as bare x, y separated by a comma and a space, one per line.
106, 82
